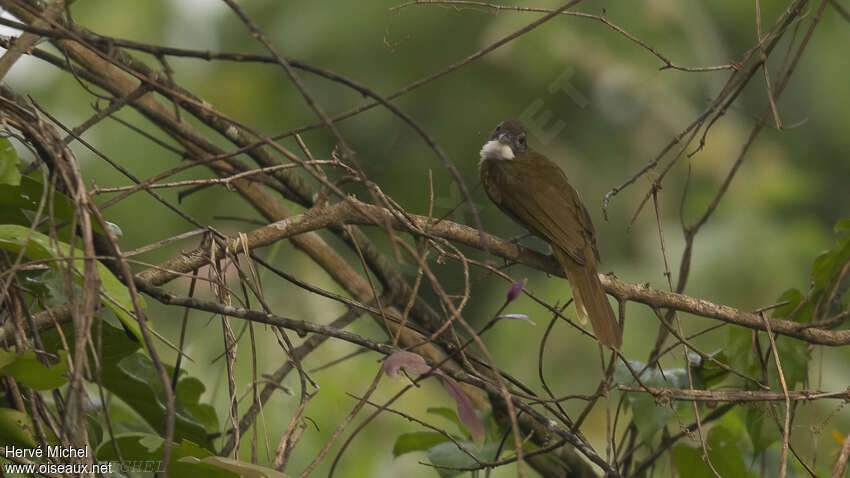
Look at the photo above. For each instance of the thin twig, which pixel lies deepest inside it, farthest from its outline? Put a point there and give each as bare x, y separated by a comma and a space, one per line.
786, 428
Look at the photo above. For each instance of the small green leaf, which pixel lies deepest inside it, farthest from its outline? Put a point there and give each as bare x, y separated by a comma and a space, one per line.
794, 297
649, 416
114, 295
9, 163
724, 451
417, 441
772, 461
142, 452
707, 373
794, 356
448, 454
94, 426
16, 428
823, 269
843, 225
115, 342
739, 349
190, 389
688, 459
246, 470
732, 427
31, 373
20, 203
450, 415
46, 284
623, 375
187, 452
134, 380
761, 428
133, 446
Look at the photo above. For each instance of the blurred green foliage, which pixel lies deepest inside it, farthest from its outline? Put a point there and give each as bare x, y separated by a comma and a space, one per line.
617, 110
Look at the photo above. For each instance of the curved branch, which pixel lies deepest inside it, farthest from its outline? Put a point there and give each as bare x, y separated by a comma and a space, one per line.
353, 211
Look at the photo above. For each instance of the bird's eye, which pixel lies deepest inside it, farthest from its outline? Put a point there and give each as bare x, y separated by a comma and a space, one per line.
499, 128
522, 140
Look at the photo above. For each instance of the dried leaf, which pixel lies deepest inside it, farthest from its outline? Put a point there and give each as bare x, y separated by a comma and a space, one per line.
409, 361
465, 411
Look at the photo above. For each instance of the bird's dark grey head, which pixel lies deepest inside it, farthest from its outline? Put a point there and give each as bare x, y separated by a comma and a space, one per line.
511, 133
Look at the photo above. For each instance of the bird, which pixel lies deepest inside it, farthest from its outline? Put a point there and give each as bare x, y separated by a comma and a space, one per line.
535, 192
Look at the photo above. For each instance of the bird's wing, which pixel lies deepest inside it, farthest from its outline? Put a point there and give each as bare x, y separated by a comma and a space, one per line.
536, 193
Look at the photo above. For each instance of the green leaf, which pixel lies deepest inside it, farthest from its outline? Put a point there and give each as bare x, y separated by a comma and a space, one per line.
732, 427
30, 372
9, 163
771, 464
94, 426
133, 446
761, 428
417, 441
843, 225
688, 459
16, 428
182, 455
843, 242
823, 269
671, 378
246, 470
649, 416
114, 295
723, 451
116, 344
134, 380
739, 349
46, 284
142, 452
794, 297
19, 203
794, 356
707, 373
448, 454
189, 389
450, 415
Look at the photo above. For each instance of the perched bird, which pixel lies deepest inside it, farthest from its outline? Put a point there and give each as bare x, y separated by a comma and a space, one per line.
534, 192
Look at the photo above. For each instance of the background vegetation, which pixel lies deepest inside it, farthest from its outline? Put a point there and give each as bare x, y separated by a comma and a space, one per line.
609, 104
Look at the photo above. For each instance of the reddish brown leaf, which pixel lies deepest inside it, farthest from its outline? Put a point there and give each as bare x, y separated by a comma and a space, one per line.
409, 361
465, 411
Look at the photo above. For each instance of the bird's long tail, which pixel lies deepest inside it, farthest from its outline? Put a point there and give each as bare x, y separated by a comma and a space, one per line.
590, 299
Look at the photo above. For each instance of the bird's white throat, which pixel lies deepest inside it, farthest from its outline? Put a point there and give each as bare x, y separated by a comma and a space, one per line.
494, 149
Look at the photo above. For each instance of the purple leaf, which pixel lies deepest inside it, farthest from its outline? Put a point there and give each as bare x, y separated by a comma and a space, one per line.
515, 289
465, 411
521, 317
409, 361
